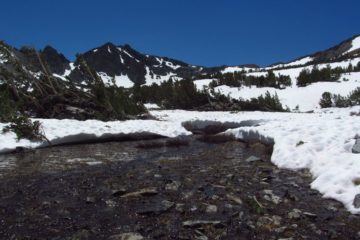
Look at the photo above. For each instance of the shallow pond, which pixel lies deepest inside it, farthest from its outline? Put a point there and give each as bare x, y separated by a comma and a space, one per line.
216, 188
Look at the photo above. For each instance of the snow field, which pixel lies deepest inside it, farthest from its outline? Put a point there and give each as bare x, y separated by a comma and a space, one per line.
306, 98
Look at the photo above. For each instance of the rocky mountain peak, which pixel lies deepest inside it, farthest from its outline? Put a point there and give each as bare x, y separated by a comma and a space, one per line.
56, 62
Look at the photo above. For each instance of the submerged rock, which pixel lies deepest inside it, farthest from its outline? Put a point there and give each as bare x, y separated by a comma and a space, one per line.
90, 200
198, 223
252, 159
118, 192
156, 208
142, 192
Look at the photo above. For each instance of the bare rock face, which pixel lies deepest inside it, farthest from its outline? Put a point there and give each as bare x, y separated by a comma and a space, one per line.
56, 61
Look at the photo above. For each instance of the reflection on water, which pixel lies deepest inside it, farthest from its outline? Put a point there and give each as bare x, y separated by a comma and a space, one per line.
68, 157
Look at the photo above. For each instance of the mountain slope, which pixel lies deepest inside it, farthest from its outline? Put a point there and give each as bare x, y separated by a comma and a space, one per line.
127, 66
30, 82
343, 56
347, 49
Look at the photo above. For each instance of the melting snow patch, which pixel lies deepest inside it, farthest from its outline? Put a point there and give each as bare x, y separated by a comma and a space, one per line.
123, 81
2, 59
150, 106
124, 51
202, 83
151, 78
69, 70
236, 69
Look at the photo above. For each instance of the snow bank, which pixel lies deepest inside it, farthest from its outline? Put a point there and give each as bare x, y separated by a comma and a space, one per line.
320, 141
67, 130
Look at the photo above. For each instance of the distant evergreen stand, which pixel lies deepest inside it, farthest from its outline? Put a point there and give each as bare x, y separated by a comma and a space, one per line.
183, 94
335, 100
239, 79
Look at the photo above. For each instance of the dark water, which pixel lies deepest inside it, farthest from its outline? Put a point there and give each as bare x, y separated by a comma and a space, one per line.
62, 158
79, 192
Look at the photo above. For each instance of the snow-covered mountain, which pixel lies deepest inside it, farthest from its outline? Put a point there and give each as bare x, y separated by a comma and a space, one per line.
127, 67
119, 65
347, 49
124, 66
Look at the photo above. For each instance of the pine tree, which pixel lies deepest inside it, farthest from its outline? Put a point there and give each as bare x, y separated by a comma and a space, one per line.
326, 100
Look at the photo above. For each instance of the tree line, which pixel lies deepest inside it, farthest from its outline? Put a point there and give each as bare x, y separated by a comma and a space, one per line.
183, 94
326, 74
336, 100
240, 78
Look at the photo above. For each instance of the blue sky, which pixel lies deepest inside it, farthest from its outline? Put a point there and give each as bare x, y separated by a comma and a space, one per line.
202, 32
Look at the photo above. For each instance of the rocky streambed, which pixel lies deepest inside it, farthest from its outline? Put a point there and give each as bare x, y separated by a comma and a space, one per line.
198, 187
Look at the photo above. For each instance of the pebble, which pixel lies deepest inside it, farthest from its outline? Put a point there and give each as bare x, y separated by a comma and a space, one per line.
110, 203
142, 192
271, 197
310, 215
234, 199
211, 209
90, 200
127, 236
174, 186
180, 207
294, 214
155, 208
